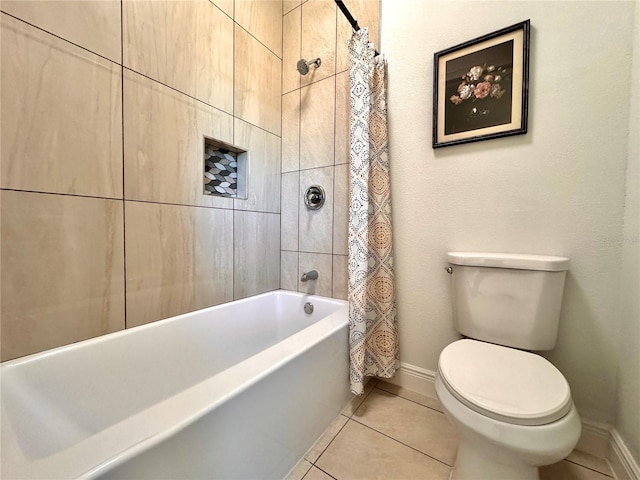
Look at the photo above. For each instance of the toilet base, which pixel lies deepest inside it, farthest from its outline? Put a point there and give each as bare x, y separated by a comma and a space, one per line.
473, 463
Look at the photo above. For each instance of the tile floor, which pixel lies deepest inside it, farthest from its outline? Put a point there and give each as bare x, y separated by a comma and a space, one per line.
392, 433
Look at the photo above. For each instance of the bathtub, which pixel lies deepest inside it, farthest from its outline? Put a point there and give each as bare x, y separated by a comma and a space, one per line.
236, 391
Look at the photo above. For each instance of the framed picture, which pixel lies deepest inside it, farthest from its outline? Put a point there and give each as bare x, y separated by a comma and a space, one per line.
481, 88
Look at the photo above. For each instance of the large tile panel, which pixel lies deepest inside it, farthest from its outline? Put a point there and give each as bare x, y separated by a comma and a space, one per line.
317, 114
315, 227
62, 270
164, 143
263, 19
91, 25
290, 210
291, 131
179, 259
256, 253
415, 425
263, 172
356, 453
319, 38
341, 185
258, 86
61, 115
187, 45
291, 38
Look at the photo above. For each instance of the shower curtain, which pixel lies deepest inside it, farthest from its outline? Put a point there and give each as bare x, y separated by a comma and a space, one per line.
373, 329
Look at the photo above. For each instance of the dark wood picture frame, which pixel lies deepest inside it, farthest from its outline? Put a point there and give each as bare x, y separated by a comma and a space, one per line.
481, 87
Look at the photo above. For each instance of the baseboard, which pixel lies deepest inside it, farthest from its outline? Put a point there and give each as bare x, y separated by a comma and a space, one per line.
624, 465
416, 379
599, 439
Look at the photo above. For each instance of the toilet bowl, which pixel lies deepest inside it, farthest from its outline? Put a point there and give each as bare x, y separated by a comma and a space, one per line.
513, 410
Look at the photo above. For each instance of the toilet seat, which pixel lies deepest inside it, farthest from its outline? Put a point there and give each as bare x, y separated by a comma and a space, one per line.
505, 384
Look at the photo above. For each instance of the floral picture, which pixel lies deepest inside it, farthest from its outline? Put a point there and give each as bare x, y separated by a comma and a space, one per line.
481, 88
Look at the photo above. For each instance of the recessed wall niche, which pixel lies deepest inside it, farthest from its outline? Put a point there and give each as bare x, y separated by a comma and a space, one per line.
225, 169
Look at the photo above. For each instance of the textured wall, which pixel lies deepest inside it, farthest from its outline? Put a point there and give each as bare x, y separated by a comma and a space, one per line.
559, 189
629, 295
315, 148
105, 106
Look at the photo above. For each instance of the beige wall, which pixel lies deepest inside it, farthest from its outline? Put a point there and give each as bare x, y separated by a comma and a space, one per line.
104, 225
629, 295
315, 129
559, 189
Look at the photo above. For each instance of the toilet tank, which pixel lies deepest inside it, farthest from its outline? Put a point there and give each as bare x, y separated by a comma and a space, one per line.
508, 299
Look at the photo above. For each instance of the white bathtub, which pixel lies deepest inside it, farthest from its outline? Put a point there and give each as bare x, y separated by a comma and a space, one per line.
236, 391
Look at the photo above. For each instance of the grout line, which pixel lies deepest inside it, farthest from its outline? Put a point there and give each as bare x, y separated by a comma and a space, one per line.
402, 443
66, 40
124, 210
323, 471
588, 468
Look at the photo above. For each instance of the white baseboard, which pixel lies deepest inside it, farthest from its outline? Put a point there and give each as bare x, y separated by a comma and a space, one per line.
624, 465
598, 439
414, 378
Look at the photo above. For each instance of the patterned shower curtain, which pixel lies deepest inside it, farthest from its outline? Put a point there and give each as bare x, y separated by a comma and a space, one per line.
373, 328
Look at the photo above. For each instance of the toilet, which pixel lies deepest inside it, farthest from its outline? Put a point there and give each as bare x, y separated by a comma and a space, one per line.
512, 408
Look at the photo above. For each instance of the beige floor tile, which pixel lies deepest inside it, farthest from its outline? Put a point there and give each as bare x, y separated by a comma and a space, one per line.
325, 439
411, 395
408, 422
317, 474
357, 400
359, 452
569, 471
591, 461
299, 471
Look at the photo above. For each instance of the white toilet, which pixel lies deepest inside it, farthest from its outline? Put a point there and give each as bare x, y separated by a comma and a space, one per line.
513, 408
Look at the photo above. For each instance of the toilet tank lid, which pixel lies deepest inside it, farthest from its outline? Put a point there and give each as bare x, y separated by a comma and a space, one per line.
519, 261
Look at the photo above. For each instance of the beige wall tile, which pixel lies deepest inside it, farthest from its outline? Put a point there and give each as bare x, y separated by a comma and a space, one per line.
291, 33
323, 264
61, 115
315, 226
164, 142
367, 14
317, 114
258, 74
62, 270
291, 131
355, 453
187, 45
256, 253
288, 5
319, 38
179, 259
341, 210
289, 270
263, 19
91, 25
225, 5
263, 173
340, 287
343, 112
290, 210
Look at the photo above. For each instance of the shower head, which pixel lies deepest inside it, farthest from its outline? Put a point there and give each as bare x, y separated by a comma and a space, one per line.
303, 65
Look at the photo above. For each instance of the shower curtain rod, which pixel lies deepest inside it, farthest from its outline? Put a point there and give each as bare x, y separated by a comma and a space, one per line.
354, 23
343, 8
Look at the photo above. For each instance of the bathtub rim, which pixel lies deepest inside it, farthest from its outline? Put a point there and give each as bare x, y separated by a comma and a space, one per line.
121, 441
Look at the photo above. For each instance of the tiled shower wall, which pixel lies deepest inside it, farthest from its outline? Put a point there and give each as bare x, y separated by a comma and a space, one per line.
315, 140
105, 106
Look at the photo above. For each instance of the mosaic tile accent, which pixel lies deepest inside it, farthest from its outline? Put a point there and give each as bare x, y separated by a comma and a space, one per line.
220, 171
